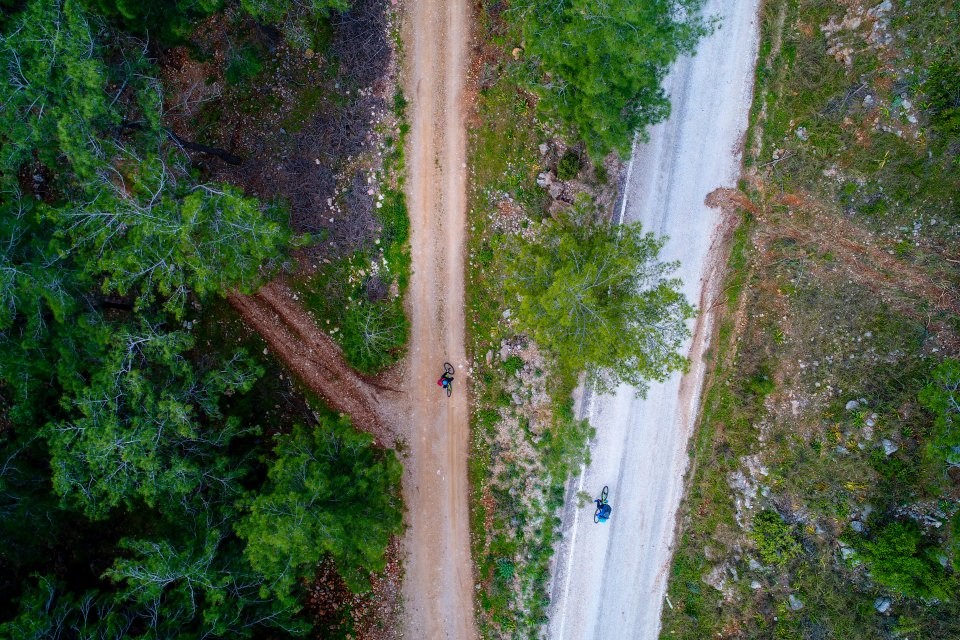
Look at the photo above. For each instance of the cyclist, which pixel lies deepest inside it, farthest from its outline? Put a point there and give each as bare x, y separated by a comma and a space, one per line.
603, 510
445, 379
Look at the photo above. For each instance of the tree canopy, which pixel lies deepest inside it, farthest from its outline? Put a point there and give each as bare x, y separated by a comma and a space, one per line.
127, 452
597, 299
330, 492
600, 65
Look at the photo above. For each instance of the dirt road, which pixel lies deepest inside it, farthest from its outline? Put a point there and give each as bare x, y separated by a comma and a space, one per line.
609, 580
438, 587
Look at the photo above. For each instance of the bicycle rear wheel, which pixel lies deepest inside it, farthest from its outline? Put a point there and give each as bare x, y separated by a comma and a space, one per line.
603, 494
450, 388
448, 368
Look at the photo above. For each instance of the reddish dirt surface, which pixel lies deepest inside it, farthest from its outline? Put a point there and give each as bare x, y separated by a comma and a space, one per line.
317, 360
438, 590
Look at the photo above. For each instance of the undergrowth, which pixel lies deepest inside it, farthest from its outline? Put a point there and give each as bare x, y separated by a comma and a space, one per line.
360, 296
525, 437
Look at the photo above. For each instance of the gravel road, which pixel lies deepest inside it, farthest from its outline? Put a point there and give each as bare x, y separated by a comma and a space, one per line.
438, 585
609, 580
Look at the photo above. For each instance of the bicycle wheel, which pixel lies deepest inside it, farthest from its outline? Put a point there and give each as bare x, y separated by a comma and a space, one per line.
448, 368
603, 494
450, 388
596, 517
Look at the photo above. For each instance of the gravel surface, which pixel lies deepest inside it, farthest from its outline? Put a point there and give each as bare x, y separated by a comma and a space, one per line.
609, 580
438, 586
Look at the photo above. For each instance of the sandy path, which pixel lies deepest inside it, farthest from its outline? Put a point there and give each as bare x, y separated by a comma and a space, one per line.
609, 580
438, 587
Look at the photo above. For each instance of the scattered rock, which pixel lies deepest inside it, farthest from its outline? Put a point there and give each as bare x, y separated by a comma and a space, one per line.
745, 489
889, 446
555, 189
857, 526
795, 603
543, 148
755, 585
716, 578
802, 134
489, 357
846, 552
882, 605
506, 314
871, 420
853, 405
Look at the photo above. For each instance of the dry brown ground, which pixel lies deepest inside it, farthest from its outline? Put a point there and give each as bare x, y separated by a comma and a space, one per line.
866, 258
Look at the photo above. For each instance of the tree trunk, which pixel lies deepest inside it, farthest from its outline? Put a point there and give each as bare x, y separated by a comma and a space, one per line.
217, 152
224, 155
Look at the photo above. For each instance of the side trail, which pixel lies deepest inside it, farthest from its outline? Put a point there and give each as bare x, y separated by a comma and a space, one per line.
317, 360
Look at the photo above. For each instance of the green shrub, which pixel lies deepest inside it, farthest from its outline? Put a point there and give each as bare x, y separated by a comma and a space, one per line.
569, 166
373, 333
942, 398
902, 560
505, 569
244, 63
774, 538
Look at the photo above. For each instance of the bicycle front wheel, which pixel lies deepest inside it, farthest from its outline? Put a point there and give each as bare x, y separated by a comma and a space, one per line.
603, 494
448, 368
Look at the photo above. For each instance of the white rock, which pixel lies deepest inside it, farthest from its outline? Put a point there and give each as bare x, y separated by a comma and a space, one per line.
795, 603
889, 447
882, 605
853, 405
